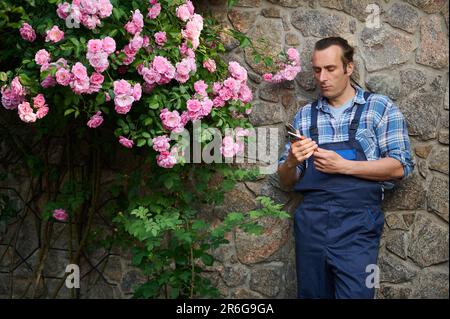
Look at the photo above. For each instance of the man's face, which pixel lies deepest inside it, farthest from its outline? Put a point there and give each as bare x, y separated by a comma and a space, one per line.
329, 71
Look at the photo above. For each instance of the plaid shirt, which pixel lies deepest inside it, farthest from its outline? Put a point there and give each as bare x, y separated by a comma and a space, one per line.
382, 130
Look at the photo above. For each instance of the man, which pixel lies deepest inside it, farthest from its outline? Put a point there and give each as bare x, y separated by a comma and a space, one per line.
353, 143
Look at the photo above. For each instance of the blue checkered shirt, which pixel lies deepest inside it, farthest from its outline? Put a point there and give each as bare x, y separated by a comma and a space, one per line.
382, 130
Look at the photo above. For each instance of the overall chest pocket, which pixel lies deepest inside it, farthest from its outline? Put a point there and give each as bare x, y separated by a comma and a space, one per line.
368, 141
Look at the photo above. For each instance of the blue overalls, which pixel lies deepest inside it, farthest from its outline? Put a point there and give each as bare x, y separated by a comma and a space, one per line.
338, 225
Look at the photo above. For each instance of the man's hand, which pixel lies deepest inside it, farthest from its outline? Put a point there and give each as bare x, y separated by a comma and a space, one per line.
329, 162
300, 151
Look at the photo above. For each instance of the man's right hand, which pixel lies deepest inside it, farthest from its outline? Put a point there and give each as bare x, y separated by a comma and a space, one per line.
300, 151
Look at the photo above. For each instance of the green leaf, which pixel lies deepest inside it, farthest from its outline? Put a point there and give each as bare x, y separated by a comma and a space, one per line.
69, 111
168, 183
141, 142
3, 76
207, 259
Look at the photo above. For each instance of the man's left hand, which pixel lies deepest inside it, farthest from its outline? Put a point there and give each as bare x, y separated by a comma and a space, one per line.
329, 162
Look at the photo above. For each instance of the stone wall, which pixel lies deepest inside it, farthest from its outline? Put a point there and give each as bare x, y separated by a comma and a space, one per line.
406, 59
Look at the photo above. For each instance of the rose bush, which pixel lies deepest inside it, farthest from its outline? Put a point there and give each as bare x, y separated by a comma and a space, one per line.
142, 71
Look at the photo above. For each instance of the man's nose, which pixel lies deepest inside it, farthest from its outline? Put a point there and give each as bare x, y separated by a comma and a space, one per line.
322, 76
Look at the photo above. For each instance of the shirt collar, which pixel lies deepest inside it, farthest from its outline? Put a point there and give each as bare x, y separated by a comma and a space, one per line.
322, 103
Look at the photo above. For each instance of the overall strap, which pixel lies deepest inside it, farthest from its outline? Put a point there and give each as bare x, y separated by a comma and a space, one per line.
355, 122
313, 130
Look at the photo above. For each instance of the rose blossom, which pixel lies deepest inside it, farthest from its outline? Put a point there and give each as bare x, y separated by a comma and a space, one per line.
63, 77
96, 120
161, 143
154, 11
42, 57
54, 34
39, 101
210, 65
60, 214
160, 38
109, 45
27, 32
126, 142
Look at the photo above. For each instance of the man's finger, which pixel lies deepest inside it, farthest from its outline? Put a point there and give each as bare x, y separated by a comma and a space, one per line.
320, 154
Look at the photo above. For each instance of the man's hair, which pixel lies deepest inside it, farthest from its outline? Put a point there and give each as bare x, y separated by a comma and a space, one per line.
347, 49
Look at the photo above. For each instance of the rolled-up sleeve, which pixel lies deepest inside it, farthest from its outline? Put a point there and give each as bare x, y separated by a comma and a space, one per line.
296, 123
393, 139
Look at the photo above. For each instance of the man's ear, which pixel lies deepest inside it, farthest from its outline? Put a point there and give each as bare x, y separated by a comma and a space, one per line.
350, 68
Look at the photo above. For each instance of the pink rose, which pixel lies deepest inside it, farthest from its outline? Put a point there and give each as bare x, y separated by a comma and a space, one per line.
63, 77
193, 106
267, 76
123, 103
27, 32
88, 6
39, 101
229, 148
237, 71
241, 132
207, 105
170, 120
96, 120
89, 21
96, 79
161, 143
138, 18
160, 64
42, 57
160, 38
183, 13
216, 87
60, 214
245, 94
95, 45
126, 142
218, 102
290, 72
154, 11
136, 43
10, 101
150, 76
122, 87
63, 10
137, 92
200, 87
210, 65
42, 112
131, 28
166, 159
109, 45
105, 8
49, 81
79, 71
17, 87
293, 56
190, 7
26, 113
54, 34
